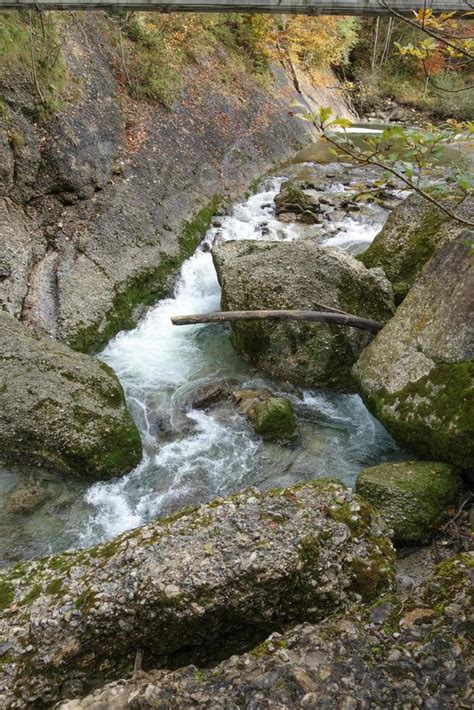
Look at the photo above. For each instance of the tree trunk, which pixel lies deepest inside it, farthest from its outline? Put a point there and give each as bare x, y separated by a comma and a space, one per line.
313, 316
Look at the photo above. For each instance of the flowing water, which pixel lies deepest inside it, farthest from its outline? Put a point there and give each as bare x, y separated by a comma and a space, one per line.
191, 455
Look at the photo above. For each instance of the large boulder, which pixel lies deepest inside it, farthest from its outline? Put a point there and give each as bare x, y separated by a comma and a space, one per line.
412, 497
417, 377
409, 651
300, 275
200, 585
412, 234
61, 409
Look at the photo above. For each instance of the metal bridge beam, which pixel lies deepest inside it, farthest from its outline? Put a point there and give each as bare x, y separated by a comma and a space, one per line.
306, 7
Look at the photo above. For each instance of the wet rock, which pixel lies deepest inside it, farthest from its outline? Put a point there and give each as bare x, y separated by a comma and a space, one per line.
412, 497
300, 204
417, 653
61, 409
413, 233
417, 377
200, 585
300, 275
209, 394
247, 399
274, 419
26, 499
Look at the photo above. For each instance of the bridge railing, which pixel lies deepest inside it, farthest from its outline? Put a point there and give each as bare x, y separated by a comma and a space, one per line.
308, 7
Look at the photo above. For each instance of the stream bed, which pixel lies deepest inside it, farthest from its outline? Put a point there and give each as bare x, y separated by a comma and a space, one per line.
191, 455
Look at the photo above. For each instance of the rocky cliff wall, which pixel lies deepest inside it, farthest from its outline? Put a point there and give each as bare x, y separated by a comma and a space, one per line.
100, 203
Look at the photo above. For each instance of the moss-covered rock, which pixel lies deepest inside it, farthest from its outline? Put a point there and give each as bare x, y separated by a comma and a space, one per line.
413, 233
60, 409
301, 276
202, 584
274, 419
411, 496
417, 376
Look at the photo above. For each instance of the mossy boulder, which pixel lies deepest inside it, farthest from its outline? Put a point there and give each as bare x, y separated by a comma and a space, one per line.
303, 276
196, 587
274, 419
60, 409
417, 377
412, 234
411, 496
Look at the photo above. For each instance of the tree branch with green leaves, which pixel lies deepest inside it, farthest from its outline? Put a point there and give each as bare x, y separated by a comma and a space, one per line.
411, 155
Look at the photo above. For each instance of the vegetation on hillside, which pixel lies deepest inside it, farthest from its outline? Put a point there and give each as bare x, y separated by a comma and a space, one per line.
153, 51
395, 59
31, 54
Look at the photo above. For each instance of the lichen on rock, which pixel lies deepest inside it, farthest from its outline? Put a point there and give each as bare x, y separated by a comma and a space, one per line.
200, 585
412, 497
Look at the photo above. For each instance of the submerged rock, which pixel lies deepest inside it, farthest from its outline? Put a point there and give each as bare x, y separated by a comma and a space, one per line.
412, 234
417, 377
300, 275
60, 409
274, 419
408, 651
198, 586
412, 497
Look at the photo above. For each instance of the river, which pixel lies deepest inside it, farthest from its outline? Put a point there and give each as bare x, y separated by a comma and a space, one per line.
190, 455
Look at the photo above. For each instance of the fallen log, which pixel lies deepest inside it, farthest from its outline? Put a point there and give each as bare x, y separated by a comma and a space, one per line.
313, 316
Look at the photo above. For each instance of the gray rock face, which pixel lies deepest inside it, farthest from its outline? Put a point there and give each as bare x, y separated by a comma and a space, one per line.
417, 376
407, 651
116, 201
413, 233
300, 275
61, 409
201, 585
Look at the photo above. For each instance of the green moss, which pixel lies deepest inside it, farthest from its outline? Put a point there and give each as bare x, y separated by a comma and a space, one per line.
60, 563
146, 287
55, 586
402, 261
86, 601
411, 496
33, 594
275, 420
356, 520
7, 594
268, 646
309, 549
450, 575
432, 416
367, 579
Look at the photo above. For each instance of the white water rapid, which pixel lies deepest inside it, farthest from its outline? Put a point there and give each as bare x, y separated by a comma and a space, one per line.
192, 456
